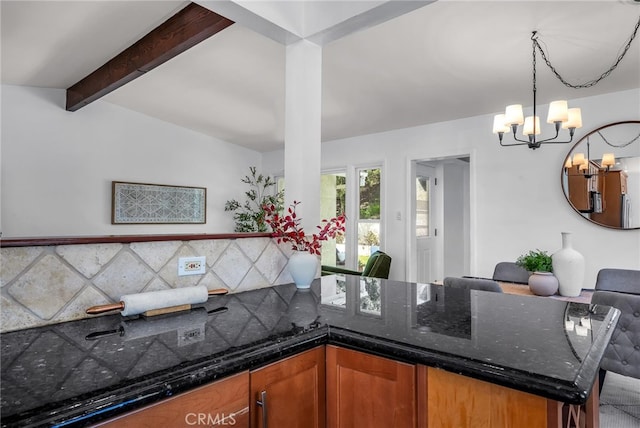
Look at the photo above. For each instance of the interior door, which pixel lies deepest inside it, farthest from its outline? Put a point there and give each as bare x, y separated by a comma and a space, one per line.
424, 223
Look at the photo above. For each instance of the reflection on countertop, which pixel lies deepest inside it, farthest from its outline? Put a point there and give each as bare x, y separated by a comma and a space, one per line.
93, 368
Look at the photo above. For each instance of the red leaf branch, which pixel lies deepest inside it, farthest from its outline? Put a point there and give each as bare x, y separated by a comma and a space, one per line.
287, 229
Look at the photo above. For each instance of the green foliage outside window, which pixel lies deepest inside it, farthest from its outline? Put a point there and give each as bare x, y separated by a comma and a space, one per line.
370, 195
370, 238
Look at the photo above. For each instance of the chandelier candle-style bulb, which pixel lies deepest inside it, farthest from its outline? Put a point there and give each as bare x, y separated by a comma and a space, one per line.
513, 115
608, 160
528, 128
558, 112
499, 124
568, 163
575, 119
578, 159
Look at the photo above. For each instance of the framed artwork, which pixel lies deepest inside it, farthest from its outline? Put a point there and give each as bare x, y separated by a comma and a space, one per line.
140, 203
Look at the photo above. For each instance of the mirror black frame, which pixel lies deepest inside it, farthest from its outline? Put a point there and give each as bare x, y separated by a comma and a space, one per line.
562, 174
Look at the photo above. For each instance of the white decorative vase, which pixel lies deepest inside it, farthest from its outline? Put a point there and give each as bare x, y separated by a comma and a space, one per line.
303, 267
568, 267
543, 283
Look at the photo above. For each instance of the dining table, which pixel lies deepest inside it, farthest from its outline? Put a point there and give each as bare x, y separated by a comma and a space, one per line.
524, 290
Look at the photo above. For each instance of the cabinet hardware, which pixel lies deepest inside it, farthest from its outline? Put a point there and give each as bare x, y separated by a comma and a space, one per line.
263, 403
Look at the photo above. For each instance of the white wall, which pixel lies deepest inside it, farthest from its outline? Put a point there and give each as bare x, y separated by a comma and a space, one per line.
57, 166
456, 206
517, 201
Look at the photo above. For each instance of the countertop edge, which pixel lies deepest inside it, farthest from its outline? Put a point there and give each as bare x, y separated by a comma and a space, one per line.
90, 410
82, 411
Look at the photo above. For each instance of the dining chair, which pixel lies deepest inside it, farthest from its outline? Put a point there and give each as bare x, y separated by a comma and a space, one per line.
510, 272
472, 284
620, 288
377, 266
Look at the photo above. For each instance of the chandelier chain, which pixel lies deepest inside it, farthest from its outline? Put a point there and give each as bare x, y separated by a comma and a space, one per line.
621, 144
591, 82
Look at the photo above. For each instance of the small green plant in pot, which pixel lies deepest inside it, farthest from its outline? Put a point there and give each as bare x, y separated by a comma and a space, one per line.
542, 282
535, 261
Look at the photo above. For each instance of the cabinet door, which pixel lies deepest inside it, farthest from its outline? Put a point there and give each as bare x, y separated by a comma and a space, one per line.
368, 391
290, 393
449, 400
611, 200
222, 403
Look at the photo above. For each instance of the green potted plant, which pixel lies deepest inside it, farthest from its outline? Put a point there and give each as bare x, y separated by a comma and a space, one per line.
542, 282
249, 217
535, 261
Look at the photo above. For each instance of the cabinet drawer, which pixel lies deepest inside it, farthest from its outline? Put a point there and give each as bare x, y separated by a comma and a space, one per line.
222, 403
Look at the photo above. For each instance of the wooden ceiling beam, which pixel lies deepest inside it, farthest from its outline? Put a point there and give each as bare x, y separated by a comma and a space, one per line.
185, 29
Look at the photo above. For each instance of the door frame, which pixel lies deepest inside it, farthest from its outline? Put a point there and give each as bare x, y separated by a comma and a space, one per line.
435, 218
410, 242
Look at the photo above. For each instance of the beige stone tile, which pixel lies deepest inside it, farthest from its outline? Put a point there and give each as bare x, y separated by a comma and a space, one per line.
88, 259
156, 254
232, 267
14, 316
252, 281
125, 275
253, 247
14, 260
157, 284
46, 287
212, 249
283, 278
76, 309
169, 273
271, 263
212, 282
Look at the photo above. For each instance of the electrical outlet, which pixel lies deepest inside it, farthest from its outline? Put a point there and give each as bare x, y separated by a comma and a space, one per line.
191, 265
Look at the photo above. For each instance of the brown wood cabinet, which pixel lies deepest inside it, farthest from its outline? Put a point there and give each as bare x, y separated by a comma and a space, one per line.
614, 185
352, 389
447, 399
368, 391
222, 403
580, 187
290, 393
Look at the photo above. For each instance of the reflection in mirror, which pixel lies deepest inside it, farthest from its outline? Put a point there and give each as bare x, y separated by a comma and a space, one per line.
601, 175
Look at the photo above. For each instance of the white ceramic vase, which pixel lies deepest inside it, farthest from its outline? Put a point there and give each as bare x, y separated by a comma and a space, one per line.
302, 268
568, 267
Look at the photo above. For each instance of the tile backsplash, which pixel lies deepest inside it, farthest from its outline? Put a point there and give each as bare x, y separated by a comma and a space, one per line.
43, 285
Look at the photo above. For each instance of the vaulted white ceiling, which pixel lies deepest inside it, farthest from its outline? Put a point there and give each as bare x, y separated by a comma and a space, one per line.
442, 61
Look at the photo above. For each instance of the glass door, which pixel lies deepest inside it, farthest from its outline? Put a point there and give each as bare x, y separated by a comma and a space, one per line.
368, 214
333, 190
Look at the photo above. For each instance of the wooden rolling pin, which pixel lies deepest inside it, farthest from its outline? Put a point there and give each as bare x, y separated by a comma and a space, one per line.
158, 302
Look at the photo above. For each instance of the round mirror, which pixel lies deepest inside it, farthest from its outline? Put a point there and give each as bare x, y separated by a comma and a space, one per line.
601, 175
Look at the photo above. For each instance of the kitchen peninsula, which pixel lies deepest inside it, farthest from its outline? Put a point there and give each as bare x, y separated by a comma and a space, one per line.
538, 353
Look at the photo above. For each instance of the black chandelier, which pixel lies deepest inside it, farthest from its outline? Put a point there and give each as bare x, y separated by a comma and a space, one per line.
559, 112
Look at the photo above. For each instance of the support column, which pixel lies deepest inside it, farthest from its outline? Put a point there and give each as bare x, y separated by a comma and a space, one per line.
303, 107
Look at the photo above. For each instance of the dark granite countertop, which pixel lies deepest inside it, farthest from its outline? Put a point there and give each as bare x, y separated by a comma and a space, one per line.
77, 373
